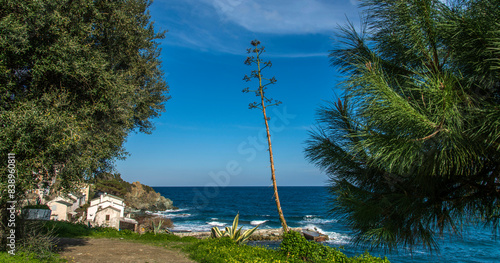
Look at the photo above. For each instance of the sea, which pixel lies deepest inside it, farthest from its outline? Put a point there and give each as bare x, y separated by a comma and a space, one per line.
201, 208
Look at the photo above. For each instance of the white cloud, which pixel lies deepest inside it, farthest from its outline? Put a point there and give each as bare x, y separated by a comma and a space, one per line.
227, 26
284, 16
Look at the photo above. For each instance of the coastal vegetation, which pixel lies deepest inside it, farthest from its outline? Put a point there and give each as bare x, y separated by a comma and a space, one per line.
294, 248
233, 232
76, 77
412, 146
264, 102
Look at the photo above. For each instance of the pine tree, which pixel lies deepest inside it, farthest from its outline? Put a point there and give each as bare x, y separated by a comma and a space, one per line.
262, 105
413, 146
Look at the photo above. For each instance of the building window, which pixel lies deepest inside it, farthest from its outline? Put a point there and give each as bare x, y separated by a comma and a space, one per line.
107, 217
54, 208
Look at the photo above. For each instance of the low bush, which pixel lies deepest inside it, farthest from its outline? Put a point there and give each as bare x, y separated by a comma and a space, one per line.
225, 249
35, 240
67, 229
295, 246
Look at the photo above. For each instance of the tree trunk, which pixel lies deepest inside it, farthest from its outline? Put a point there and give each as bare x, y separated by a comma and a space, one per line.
271, 160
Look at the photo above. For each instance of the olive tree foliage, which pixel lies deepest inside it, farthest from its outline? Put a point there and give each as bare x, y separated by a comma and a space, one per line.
412, 147
76, 77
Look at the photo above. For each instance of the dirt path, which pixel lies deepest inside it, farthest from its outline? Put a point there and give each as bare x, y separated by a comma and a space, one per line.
114, 250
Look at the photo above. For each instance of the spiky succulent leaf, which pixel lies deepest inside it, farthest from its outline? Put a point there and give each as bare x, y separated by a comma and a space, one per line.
235, 223
216, 233
244, 237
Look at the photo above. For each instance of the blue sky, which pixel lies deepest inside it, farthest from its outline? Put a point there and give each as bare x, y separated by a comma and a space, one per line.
208, 136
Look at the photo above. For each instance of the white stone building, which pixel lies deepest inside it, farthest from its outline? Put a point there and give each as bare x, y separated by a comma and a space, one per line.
106, 210
63, 207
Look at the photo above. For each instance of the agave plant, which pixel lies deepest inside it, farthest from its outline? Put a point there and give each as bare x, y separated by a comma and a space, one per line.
233, 232
156, 227
216, 233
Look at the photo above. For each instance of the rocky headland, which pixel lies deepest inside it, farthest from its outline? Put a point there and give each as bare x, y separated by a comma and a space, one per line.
138, 197
144, 198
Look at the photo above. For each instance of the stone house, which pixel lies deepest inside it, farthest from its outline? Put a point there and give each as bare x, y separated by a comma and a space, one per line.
63, 206
106, 210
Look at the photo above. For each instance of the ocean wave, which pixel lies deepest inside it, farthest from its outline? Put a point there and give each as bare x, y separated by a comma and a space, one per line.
195, 227
314, 219
338, 238
215, 223
334, 237
176, 215
174, 210
169, 215
258, 222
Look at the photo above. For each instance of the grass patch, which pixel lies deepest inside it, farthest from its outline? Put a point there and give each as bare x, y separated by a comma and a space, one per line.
23, 257
294, 248
67, 229
226, 250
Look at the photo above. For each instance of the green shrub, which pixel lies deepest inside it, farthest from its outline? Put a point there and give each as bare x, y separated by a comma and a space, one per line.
295, 246
224, 249
67, 229
35, 243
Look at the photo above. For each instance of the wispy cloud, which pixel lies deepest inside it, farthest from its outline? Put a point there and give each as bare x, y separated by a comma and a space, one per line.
227, 26
284, 16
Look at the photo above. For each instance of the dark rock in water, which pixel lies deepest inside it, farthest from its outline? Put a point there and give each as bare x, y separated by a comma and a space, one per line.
143, 197
315, 236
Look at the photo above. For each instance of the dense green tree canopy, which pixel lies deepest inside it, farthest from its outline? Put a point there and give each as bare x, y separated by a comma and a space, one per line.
76, 77
413, 146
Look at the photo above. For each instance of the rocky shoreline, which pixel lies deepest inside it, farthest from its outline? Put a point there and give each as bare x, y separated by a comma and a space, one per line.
272, 234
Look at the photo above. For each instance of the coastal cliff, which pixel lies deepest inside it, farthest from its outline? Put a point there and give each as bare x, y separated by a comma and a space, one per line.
144, 197
136, 195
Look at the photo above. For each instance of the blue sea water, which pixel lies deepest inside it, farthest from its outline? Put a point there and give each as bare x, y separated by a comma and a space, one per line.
201, 208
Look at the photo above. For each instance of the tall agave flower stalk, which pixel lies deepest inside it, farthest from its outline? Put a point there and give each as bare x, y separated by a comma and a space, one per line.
262, 105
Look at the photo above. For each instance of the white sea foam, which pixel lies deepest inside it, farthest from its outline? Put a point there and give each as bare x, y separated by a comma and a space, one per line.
166, 215
174, 210
176, 215
338, 238
314, 219
257, 222
195, 227
216, 223
318, 221
334, 237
